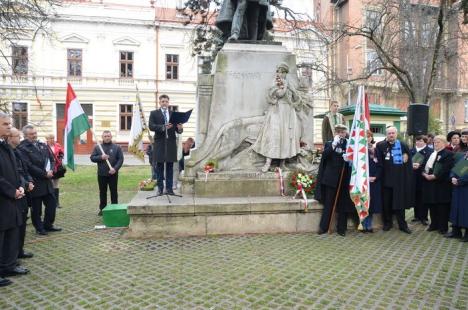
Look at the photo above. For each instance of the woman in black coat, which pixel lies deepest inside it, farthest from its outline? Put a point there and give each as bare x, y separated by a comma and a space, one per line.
375, 174
437, 187
459, 210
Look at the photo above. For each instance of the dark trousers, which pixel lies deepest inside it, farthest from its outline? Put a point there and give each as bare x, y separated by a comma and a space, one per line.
328, 202
104, 182
168, 176
8, 249
22, 231
420, 209
256, 20
439, 216
388, 212
49, 212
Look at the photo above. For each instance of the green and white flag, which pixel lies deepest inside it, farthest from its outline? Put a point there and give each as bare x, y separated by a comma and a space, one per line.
76, 123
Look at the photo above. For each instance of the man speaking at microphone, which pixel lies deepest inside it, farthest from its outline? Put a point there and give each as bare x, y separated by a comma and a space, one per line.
109, 159
165, 145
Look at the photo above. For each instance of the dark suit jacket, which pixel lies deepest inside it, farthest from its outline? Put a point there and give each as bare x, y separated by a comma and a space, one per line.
440, 189
10, 216
417, 174
35, 159
156, 124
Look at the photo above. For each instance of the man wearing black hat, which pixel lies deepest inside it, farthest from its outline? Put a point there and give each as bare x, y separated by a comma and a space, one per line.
333, 179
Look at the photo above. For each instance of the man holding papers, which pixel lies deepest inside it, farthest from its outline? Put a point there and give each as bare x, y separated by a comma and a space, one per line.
165, 146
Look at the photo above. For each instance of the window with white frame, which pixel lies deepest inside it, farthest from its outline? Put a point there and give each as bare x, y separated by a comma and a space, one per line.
19, 114
373, 62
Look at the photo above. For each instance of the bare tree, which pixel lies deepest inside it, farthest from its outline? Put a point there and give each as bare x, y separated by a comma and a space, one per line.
18, 20
409, 44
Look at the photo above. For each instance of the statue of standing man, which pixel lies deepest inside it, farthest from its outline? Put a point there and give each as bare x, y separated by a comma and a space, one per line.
244, 19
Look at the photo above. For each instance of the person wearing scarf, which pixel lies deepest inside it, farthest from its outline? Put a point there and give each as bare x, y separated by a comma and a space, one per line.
459, 207
330, 120
436, 187
397, 181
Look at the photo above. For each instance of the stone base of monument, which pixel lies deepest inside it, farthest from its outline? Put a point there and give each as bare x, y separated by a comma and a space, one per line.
201, 216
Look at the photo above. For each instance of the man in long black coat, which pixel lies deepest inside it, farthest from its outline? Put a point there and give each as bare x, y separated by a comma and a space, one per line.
40, 163
397, 176
10, 217
28, 184
420, 209
332, 165
165, 144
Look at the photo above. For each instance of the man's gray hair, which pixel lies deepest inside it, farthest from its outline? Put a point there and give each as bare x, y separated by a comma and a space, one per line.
26, 128
4, 115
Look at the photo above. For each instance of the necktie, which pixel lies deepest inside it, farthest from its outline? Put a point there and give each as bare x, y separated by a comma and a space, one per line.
165, 116
336, 122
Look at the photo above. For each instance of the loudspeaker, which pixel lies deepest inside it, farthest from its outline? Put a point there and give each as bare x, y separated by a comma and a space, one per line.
418, 119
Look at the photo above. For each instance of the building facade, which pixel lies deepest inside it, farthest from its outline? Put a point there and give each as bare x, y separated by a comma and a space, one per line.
105, 50
353, 55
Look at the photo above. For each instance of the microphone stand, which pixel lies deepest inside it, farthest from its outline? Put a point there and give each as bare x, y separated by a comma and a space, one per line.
164, 163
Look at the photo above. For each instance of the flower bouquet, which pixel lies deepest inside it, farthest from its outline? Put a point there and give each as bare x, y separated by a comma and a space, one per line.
302, 184
147, 185
209, 167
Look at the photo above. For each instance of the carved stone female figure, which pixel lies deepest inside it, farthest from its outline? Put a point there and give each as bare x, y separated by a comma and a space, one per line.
280, 136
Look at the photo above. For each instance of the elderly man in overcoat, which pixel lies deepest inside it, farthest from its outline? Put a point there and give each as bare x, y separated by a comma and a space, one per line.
10, 216
165, 144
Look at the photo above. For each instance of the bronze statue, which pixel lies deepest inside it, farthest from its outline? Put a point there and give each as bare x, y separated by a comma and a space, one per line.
244, 19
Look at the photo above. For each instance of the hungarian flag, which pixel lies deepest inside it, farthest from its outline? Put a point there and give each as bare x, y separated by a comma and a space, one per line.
357, 154
135, 145
76, 123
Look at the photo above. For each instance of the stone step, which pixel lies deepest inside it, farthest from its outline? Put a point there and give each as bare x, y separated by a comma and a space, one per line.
198, 216
189, 205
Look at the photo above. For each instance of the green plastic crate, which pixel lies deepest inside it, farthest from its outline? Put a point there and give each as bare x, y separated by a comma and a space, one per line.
115, 215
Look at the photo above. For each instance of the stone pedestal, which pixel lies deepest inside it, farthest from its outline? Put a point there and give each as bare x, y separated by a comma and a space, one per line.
237, 198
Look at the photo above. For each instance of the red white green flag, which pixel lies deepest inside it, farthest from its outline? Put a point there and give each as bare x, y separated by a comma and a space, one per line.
357, 154
76, 123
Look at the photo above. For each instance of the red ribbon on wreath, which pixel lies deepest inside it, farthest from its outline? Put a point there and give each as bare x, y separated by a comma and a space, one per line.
208, 169
300, 189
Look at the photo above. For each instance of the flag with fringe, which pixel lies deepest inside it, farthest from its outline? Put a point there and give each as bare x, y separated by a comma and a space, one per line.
138, 127
357, 154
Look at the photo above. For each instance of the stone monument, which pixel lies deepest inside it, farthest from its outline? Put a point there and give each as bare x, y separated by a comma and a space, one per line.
253, 90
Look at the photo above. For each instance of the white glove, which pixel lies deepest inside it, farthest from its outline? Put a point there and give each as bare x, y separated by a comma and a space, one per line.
336, 140
345, 157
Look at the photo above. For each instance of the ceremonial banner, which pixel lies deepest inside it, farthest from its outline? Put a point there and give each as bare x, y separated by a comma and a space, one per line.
76, 123
135, 145
357, 154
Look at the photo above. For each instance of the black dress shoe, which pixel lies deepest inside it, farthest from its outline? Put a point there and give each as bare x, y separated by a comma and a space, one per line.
53, 229
41, 232
430, 228
406, 230
341, 233
5, 282
424, 222
386, 228
370, 230
25, 255
464, 239
17, 271
100, 213
453, 234
171, 193
415, 220
321, 232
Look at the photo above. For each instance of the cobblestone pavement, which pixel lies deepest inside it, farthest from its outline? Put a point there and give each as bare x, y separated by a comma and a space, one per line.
83, 268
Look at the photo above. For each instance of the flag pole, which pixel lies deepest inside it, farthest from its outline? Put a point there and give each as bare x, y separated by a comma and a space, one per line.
100, 148
336, 198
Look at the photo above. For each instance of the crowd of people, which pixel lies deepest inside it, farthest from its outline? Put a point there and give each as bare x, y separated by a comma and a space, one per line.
424, 178
29, 173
